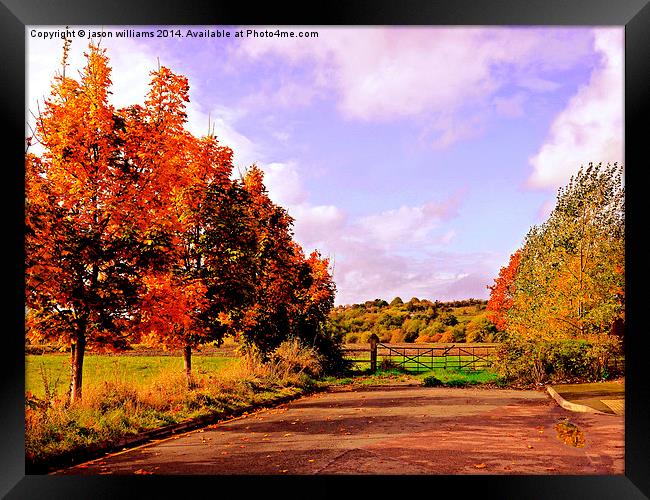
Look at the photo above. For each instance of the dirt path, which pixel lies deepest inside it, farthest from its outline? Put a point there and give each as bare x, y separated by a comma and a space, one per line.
387, 430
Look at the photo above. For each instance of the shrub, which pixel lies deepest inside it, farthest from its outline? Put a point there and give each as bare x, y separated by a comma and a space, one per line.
431, 381
329, 351
397, 336
527, 360
365, 336
447, 337
352, 338
458, 333
386, 364
437, 327
410, 336
480, 330
448, 319
291, 357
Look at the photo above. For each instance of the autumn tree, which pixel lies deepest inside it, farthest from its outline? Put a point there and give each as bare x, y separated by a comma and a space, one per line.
567, 293
136, 230
502, 292
83, 201
267, 317
313, 300
570, 279
188, 300
292, 295
397, 301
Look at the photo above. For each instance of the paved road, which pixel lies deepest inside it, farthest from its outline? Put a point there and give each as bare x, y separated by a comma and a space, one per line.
388, 430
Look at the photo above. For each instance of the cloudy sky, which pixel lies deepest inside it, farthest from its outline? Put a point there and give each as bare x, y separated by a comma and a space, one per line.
415, 158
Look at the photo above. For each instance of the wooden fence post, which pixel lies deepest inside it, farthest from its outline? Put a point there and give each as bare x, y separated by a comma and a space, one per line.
373, 339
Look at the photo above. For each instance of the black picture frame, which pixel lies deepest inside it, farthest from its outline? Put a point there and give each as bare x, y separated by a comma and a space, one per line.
633, 14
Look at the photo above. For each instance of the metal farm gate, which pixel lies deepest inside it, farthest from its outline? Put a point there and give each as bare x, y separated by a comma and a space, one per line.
414, 358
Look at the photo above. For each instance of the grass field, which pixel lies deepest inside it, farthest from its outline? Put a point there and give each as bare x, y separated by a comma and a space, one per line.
53, 370
447, 377
124, 395
459, 378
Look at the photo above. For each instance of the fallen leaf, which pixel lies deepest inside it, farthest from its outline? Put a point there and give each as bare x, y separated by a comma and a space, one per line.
480, 466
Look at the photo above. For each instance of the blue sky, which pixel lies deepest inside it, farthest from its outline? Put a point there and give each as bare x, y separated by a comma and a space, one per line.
415, 158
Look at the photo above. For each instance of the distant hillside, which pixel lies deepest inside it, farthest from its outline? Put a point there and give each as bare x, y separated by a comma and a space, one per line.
418, 320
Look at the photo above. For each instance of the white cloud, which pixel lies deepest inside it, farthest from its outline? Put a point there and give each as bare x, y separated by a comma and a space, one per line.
283, 183
407, 225
590, 128
440, 73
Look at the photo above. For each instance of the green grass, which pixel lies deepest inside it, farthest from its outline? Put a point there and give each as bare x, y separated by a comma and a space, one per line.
54, 369
460, 378
448, 377
124, 395
364, 378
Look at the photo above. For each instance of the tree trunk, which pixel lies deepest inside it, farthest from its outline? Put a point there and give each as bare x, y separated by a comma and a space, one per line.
187, 362
76, 366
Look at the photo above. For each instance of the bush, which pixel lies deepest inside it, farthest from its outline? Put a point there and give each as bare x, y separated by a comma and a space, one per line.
410, 336
291, 357
352, 338
480, 330
437, 327
526, 360
397, 336
386, 364
448, 319
458, 333
447, 337
431, 381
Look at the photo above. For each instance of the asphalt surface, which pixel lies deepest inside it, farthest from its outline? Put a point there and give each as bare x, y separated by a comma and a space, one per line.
387, 430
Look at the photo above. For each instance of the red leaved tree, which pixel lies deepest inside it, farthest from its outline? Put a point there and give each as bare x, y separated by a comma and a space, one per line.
502, 292
83, 217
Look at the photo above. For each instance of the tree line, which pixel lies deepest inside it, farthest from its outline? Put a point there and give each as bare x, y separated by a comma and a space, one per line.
138, 231
418, 320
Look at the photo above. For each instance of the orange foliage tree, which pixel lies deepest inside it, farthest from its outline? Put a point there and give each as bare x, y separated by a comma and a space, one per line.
136, 231
292, 295
84, 220
502, 292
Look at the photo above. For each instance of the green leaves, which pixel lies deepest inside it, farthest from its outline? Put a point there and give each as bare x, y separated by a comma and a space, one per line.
569, 283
